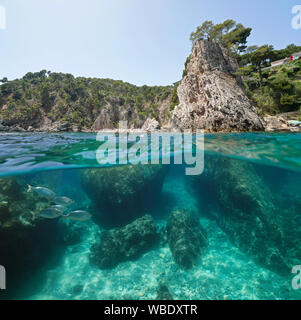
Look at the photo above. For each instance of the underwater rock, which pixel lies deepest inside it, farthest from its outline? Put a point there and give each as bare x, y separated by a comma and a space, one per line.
126, 243
25, 243
121, 194
244, 209
10, 188
163, 292
186, 237
4, 212
288, 204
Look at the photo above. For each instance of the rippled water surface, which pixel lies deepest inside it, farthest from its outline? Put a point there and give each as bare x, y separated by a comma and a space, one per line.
27, 152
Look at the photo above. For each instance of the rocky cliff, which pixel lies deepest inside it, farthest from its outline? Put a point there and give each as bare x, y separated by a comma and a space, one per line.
211, 95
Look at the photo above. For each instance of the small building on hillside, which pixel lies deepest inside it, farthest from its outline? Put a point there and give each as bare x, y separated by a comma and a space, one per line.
293, 57
296, 55
279, 62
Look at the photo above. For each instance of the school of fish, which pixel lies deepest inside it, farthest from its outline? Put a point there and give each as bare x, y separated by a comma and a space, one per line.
58, 206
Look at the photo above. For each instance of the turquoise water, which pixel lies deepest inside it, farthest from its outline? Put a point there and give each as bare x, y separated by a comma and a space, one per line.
246, 204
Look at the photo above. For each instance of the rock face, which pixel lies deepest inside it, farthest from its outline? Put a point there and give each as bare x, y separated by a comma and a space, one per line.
3, 128
109, 116
245, 211
185, 237
121, 193
151, 125
112, 113
211, 96
123, 244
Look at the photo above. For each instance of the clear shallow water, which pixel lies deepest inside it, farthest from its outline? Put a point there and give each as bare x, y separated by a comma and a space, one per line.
249, 192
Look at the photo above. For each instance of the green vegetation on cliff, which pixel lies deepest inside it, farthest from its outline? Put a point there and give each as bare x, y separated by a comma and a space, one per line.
230, 34
62, 97
273, 90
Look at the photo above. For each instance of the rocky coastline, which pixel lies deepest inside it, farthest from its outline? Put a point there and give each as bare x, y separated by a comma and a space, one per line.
270, 123
210, 97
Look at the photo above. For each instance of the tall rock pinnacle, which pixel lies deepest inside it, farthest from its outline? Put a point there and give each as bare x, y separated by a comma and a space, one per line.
211, 95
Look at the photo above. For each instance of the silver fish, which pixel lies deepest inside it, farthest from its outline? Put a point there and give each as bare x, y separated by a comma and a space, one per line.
64, 201
50, 213
45, 192
59, 207
78, 215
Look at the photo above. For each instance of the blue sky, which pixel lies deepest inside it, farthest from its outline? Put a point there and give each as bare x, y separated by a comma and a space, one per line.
138, 41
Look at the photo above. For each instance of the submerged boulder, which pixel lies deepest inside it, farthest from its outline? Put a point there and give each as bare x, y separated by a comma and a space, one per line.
4, 212
244, 209
126, 243
29, 243
186, 237
121, 194
10, 188
25, 243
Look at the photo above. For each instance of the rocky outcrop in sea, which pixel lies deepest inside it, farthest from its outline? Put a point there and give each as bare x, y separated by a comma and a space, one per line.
211, 94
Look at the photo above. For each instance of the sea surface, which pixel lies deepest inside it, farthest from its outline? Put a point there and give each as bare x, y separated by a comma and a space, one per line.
247, 200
